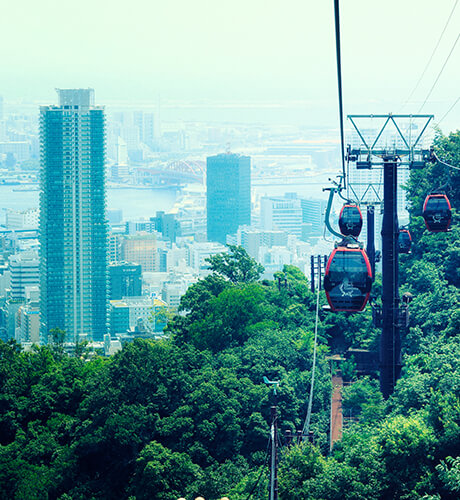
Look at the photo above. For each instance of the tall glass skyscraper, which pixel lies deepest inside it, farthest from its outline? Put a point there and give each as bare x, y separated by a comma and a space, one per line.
228, 183
73, 228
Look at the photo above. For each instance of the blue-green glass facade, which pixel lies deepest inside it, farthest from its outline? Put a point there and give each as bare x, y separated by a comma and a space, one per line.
73, 228
228, 198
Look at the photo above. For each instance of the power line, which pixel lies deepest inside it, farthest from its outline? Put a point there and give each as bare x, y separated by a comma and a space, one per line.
432, 54
261, 471
306, 425
440, 73
449, 110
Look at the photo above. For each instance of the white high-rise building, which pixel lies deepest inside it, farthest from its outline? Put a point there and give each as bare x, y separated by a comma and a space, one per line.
122, 152
24, 272
278, 213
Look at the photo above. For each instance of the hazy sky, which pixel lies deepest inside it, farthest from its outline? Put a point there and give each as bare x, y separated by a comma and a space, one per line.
267, 50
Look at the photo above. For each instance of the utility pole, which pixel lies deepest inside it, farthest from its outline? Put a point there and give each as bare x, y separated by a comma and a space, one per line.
312, 273
273, 492
282, 282
274, 454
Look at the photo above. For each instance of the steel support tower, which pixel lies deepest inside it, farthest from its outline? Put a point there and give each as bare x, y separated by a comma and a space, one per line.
368, 156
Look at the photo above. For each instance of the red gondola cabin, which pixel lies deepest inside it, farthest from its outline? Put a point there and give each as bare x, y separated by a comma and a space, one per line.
437, 213
404, 241
350, 220
348, 278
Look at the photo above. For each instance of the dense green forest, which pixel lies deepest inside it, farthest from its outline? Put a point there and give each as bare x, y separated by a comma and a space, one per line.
189, 415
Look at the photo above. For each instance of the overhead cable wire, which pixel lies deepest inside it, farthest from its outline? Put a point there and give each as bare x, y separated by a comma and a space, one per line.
449, 110
306, 425
432, 54
439, 74
444, 163
339, 82
261, 471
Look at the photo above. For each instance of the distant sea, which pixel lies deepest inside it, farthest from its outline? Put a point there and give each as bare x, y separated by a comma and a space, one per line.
135, 203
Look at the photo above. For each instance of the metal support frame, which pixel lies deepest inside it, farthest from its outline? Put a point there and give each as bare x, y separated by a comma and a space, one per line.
317, 270
410, 150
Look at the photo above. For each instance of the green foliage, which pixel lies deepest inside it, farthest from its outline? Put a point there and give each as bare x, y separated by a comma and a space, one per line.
407, 445
346, 330
163, 475
348, 369
300, 463
236, 265
181, 416
449, 474
362, 399
188, 415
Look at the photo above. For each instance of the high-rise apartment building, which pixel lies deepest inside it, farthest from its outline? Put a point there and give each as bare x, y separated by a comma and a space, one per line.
228, 182
73, 229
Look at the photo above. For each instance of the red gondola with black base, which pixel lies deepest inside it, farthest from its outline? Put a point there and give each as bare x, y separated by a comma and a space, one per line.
404, 241
350, 220
437, 212
348, 277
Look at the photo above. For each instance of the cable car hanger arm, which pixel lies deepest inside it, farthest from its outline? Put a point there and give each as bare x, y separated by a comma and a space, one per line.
328, 212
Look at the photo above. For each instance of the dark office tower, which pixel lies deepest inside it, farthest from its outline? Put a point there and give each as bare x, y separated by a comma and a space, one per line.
125, 280
73, 228
228, 181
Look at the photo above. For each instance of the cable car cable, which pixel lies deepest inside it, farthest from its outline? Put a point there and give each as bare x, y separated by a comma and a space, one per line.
306, 425
439, 74
444, 163
432, 55
449, 110
339, 82
261, 471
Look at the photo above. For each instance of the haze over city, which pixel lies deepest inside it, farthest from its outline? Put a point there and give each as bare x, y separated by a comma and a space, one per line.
257, 53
